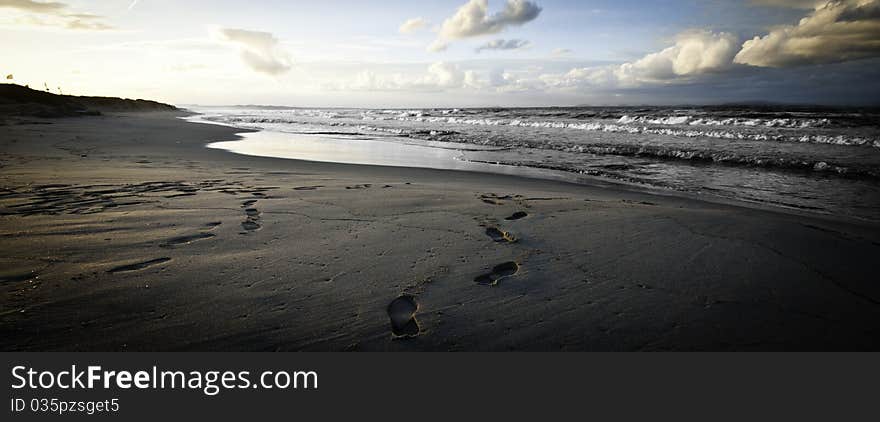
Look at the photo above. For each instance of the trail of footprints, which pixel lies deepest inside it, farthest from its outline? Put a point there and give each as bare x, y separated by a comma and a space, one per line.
402, 310
506, 269
56, 199
252, 216
60, 195
72, 199
170, 243
53, 199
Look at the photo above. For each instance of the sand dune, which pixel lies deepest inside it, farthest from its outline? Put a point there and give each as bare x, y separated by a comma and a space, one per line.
17, 100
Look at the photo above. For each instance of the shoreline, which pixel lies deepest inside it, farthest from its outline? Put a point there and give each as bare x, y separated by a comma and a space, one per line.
546, 174
317, 259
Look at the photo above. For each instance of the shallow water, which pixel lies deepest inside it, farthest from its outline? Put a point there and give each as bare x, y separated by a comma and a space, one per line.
384, 151
819, 160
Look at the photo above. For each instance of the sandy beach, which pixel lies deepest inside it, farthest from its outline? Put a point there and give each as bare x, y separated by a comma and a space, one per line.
123, 232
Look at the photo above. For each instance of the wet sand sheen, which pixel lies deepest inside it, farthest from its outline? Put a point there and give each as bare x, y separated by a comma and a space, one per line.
375, 151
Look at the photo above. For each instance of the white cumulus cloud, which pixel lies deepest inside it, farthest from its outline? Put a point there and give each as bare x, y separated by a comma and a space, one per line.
694, 53
835, 31
413, 25
438, 45
439, 76
259, 50
473, 19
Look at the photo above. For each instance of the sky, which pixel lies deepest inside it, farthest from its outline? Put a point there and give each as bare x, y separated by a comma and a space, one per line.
455, 53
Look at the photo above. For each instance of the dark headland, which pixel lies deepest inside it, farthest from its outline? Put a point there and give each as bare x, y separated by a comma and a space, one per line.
17, 100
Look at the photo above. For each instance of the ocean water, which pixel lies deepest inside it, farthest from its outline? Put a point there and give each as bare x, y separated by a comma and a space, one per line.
820, 160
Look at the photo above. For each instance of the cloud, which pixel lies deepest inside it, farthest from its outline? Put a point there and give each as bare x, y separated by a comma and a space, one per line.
259, 50
561, 51
507, 82
413, 25
438, 45
444, 75
501, 44
473, 20
836, 31
87, 24
33, 6
792, 4
866, 10
439, 76
40, 13
694, 53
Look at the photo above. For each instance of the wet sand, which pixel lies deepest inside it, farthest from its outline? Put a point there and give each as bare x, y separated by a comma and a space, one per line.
123, 232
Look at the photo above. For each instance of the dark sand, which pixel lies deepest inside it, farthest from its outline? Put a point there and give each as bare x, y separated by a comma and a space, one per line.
124, 233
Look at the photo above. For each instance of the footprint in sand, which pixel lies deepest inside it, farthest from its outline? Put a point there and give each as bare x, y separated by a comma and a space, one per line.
250, 225
402, 313
499, 235
251, 222
498, 273
138, 266
517, 215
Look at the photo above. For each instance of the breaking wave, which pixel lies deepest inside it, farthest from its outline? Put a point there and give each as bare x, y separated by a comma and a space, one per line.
624, 125
808, 158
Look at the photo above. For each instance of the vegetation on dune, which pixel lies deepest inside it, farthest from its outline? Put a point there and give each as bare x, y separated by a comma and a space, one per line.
23, 101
